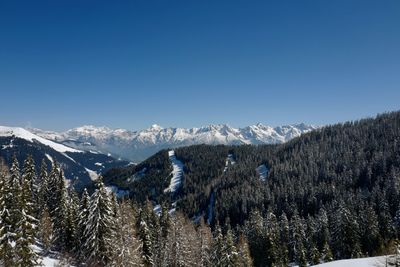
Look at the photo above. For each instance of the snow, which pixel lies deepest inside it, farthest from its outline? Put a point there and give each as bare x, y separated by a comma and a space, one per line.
48, 260
229, 161
144, 142
92, 174
24, 134
177, 173
118, 192
361, 262
262, 172
49, 157
136, 176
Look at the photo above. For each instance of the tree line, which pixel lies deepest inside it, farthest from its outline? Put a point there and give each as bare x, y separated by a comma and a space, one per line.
41, 215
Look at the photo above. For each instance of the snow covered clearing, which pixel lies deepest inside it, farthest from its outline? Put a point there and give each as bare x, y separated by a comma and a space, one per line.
24, 134
229, 161
136, 176
92, 174
118, 192
262, 172
177, 173
362, 262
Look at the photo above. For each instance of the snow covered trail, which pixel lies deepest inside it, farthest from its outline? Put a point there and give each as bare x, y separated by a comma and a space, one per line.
362, 262
177, 173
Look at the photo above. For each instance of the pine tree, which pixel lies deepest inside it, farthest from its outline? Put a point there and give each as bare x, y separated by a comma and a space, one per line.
272, 239
82, 220
7, 233
327, 255
254, 230
315, 256
230, 257
218, 247
205, 236
72, 221
41, 189
244, 252
45, 230
284, 239
58, 209
26, 226
128, 248
100, 229
297, 241
145, 237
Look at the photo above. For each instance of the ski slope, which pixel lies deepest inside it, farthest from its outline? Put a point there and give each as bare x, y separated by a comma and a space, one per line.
177, 172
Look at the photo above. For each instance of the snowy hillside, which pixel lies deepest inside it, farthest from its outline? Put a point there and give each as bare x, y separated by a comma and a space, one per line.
79, 166
138, 145
362, 262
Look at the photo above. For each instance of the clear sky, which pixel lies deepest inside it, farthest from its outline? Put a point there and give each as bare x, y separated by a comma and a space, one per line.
186, 63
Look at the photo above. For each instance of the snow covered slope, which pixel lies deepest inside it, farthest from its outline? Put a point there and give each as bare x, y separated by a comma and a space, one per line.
177, 173
138, 145
79, 166
362, 262
26, 135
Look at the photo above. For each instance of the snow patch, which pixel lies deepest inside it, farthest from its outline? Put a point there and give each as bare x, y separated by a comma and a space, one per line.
229, 161
49, 158
177, 173
92, 174
262, 172
118, 192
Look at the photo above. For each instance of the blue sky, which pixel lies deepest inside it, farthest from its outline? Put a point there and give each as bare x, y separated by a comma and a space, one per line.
130, 64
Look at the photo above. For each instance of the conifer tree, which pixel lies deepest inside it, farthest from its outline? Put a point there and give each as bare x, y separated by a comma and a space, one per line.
205, 237
41, 189
244, 252
26, 226
7, 233
100, 229
272, 239
128, 248
218, 247
145, 237
82, 220
284, 239
45, 233
230, 256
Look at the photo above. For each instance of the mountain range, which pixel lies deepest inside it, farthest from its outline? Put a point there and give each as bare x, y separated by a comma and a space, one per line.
139, 145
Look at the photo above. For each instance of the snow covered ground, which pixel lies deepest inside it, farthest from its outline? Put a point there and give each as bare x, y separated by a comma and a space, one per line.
177, 173
362, 262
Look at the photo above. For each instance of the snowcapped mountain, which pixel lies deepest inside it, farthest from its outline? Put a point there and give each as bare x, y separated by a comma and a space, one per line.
80, 166
138, 145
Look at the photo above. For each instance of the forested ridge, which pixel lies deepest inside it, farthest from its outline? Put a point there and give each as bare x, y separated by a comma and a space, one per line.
342, 180
329, 194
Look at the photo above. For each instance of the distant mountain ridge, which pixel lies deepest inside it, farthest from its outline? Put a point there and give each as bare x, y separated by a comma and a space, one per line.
138, 145
80, 167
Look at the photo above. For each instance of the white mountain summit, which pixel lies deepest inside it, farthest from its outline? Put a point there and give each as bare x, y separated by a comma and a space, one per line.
138, 145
